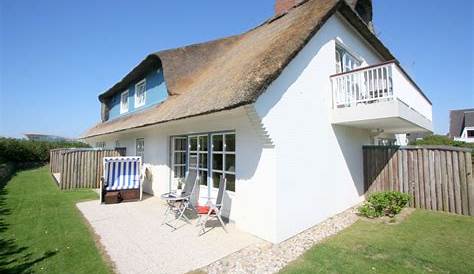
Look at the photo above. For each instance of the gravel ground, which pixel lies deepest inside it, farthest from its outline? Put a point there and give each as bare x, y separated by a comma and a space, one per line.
265, 257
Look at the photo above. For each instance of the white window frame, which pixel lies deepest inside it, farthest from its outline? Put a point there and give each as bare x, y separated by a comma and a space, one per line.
142, 102
199, 152
173, 159
123, 95
346, 52
224, 153
466, 132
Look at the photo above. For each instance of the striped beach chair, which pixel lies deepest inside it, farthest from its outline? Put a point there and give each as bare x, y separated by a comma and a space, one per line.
123, 176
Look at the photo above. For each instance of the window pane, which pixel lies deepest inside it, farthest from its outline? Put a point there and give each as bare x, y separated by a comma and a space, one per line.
230, 184
193, 143
140, 148
182, 171
217, 161
124, 101
203, 143
203, 160
203, 178
141, 88
179, 171
217, 143
140, 94
230, 142
192, 160
230, 162
179, 144
179, 157
338, 62
216, 176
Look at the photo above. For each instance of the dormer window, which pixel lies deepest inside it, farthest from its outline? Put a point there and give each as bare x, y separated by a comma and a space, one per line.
124, 102
140, 93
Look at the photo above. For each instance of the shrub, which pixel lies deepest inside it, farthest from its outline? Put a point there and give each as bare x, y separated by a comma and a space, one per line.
387, 203
23, 151
441, 140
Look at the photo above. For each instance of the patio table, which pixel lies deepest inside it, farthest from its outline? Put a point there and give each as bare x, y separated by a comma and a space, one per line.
177, 205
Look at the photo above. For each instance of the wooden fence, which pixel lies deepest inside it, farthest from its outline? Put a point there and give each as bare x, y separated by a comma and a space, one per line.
436, 177
79, 168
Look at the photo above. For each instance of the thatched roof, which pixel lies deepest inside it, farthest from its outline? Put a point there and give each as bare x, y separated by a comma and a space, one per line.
233, 71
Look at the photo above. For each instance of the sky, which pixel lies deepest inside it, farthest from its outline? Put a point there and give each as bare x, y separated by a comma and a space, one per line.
56, 56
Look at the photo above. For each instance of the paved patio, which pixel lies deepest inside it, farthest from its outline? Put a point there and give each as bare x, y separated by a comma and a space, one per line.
136, 242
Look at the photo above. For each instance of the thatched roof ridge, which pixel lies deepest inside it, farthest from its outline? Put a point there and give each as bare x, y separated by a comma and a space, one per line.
233, 71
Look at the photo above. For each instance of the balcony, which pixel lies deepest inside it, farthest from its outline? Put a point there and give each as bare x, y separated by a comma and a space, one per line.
380, 97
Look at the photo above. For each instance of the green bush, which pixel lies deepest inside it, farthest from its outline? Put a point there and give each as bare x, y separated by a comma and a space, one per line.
441, 140
24, 151
387, 203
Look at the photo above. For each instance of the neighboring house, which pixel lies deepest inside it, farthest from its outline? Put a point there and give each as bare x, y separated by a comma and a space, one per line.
44, 137
282, 111
461, 125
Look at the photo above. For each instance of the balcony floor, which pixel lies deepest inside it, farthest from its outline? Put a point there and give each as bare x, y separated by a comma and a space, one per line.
391, 116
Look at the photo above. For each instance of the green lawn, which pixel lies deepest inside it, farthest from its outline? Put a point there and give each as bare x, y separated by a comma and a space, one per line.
424, 242
41, 231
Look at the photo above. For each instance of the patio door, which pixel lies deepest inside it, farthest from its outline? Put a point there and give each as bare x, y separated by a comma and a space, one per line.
178, 160
223, 159
212, 155
198, 156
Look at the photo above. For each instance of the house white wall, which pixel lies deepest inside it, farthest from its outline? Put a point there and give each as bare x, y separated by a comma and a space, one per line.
319, 166
252, 206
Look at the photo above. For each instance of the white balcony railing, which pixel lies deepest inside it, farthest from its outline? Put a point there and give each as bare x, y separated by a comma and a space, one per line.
379, 83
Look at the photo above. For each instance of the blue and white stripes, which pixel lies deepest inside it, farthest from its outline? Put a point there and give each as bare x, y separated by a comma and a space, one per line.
122, 172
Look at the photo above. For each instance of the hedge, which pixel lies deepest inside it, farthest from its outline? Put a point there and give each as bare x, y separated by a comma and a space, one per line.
6, 170
24, 151
441, 140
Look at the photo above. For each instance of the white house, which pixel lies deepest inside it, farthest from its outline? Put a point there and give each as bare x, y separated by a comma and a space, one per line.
282, 111
461, 125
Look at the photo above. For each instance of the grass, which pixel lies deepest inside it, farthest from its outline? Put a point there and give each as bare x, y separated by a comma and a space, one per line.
41, 231
424, 242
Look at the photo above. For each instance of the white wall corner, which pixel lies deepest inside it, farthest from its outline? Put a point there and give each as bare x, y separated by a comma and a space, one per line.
258, 126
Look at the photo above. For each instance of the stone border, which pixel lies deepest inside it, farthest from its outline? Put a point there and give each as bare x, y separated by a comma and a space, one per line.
270, 258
